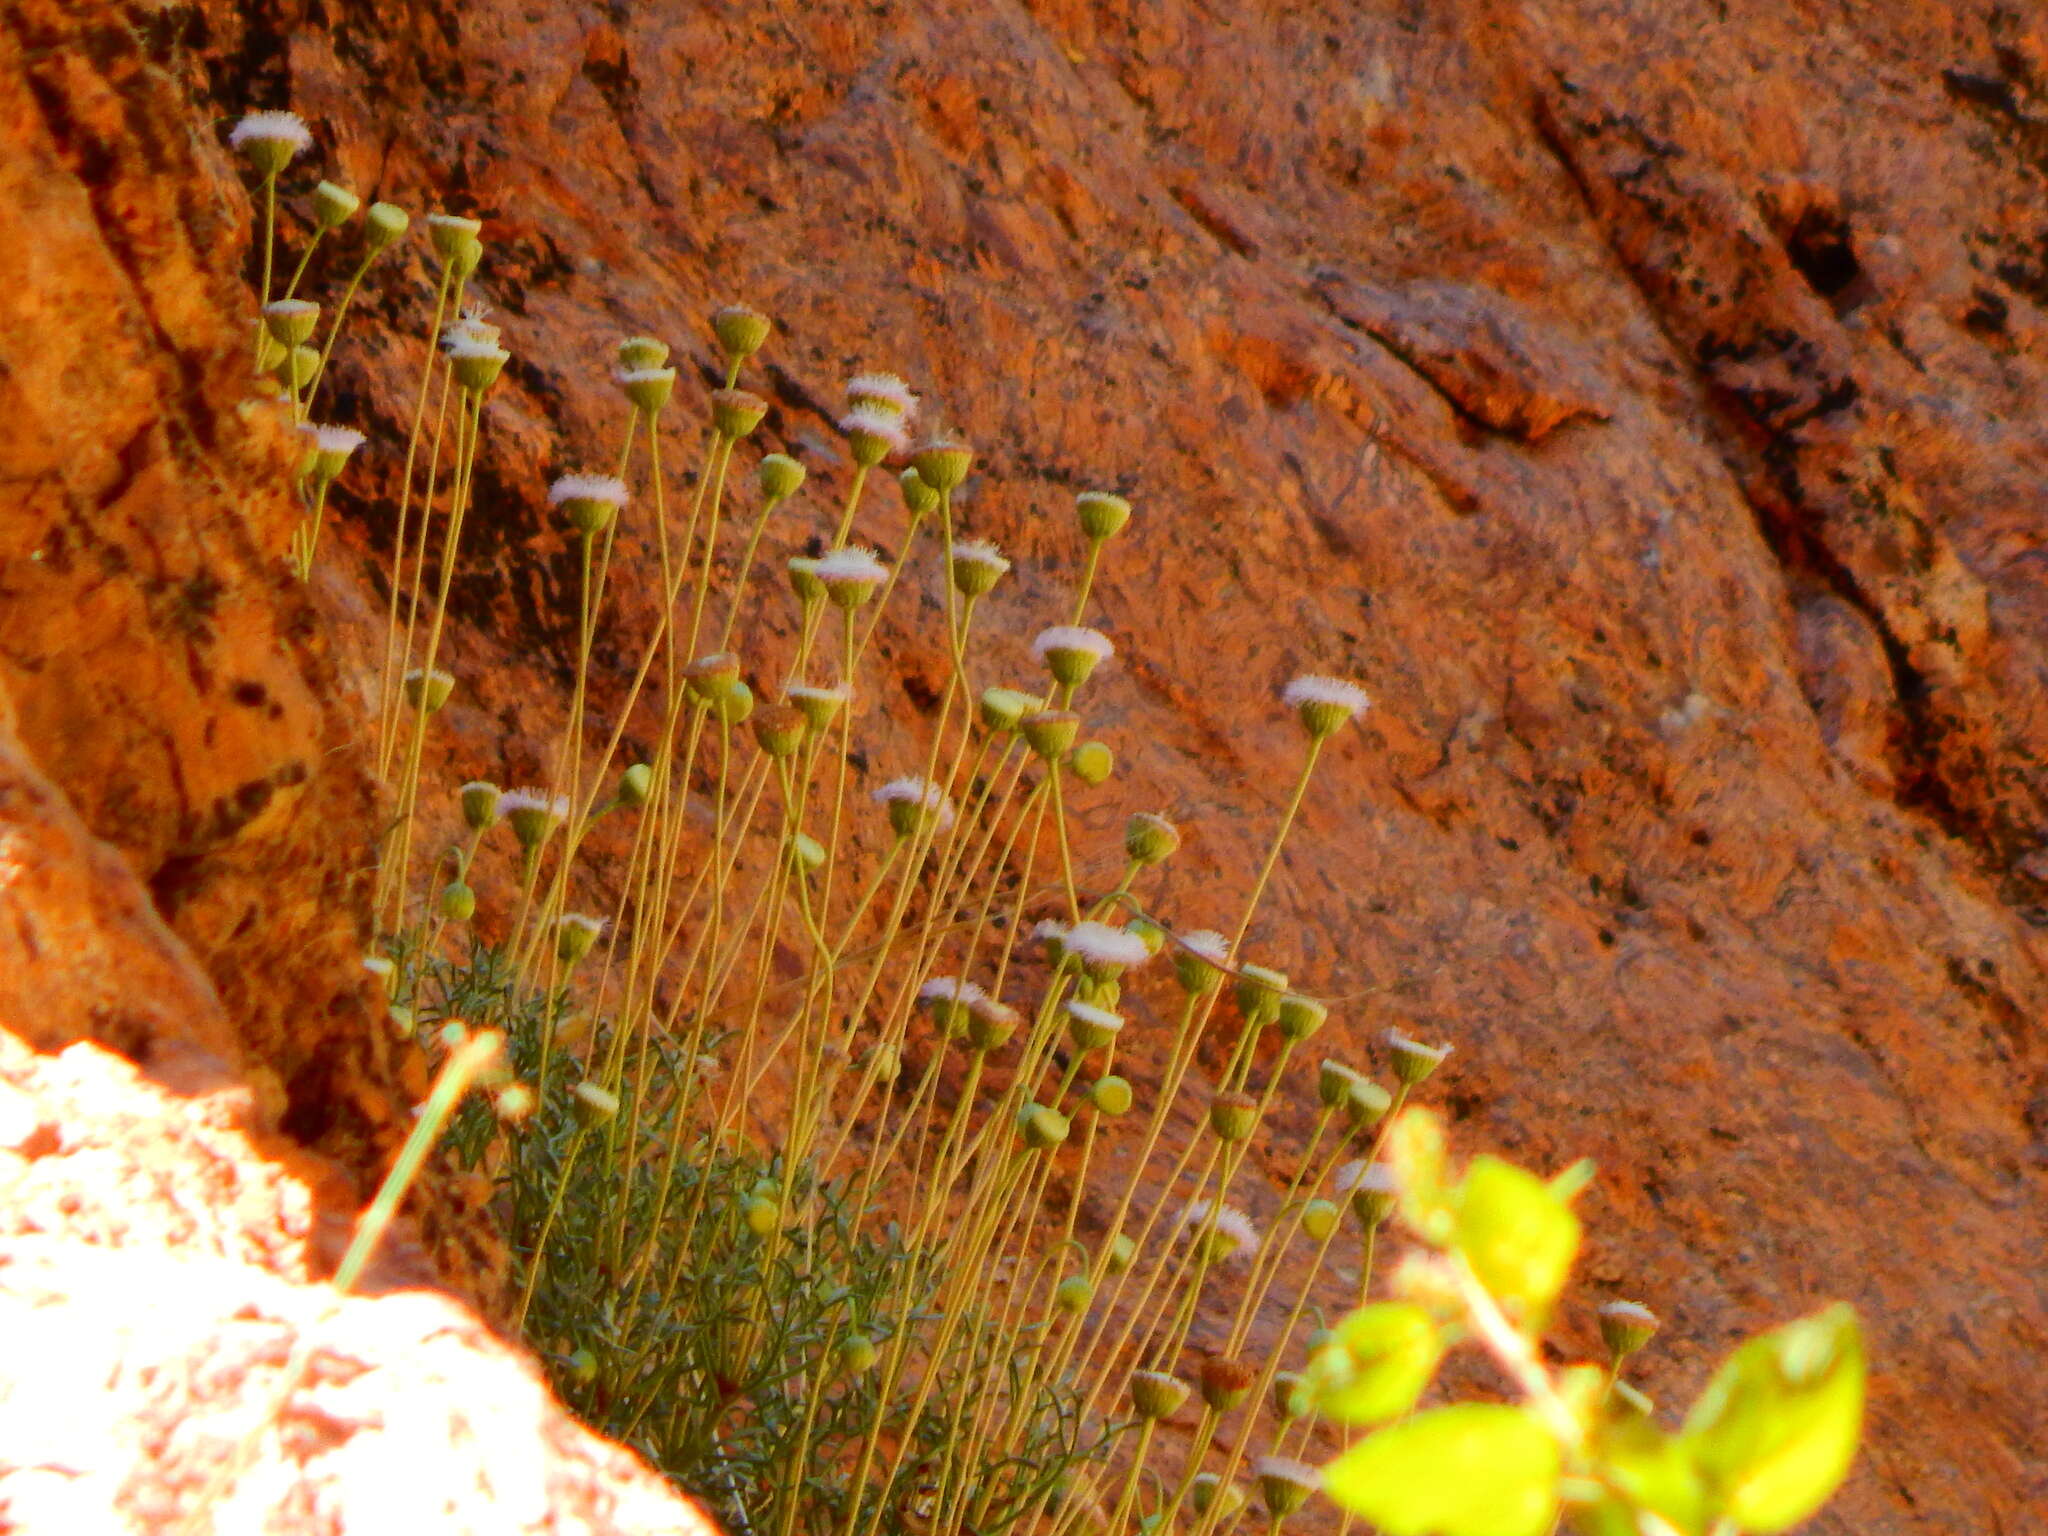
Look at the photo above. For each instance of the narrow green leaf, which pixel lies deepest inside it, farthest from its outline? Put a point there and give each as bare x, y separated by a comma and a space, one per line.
1518, 1235
1776, 1429
1478, 1469
1377, 1365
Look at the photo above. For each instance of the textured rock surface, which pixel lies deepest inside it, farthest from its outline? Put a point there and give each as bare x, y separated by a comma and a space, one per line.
1645, 399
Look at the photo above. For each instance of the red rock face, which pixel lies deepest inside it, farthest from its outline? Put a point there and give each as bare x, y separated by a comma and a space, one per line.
1643, 399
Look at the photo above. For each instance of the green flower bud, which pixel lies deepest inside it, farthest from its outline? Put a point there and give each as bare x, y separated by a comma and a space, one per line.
1366, 1104
1102, 515
648, 389
1226, 1382
1288, 1401
1319, 1220
1042, 1128
1002, 708
383, 225
1626, 1326
1197, 961
943, 465
1157, 1395
1300, 1016
479, 805
1259, 989
1091, 762
1073, 1294
741, 331
574, 934
710, 678
780, 729
1207, 1487
1050, 732
733, 706
1111, 1096
296, 367
428, 689
635, 785
761, 1215
333, 206
735, 413
450, 234
809, 852
458, 902
583, 1367
291, 321
1284, 1484
855, 1354
1090, 1027
818, 706
1233, 1116
638, 353
918, 497
1150, 839
1414, 1061
1121, 1254
779, 476
594, 1105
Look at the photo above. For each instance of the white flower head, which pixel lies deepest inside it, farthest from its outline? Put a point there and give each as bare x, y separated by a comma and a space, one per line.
1324, 704
1310, 689
605, 488
836, 694
1073, 637
283, 128
950, 989
1231, 1227
878, 422
991, 1010
1404, 1046
582, 923
980, 552
339, 440
470, 339
883, 390
1088, 1013
919, 793
1207, 943
1361, 1174
1629, 1312
555, 806
1099, 945
850, 574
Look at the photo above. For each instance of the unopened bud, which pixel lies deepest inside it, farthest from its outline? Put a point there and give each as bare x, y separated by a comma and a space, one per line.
635, 785
1319, 1220
458, 902
1122, 1251
1091, 762
574, 934
333, 206
779, 476
1073, 1294
1042, 1128
383, 225
1233, 1116
1300, 1017
1150, 839
1111, 1095
1002, 708
919, 498
1157, 1395
1259, 990
1102, 515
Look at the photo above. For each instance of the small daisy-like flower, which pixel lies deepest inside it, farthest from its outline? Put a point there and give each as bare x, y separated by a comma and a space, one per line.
873, 432
1284, 1484
1324, 704
341, 440
648, 388
533, 813
1230, 1235
910, 801
331, 449
1104, 952
271, 139
1072, 651
950, 989
590, 502
1414, 1061
574, 934
977, 566
883, 390
428, 689
818, 705
850, 575
1090, 1027
1626, 1326
1372, 1189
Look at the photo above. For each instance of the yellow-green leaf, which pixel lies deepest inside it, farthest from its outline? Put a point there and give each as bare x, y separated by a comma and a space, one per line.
1416, 1150
1376, 1366
1518, 1235
1776, 1429
1478, 1469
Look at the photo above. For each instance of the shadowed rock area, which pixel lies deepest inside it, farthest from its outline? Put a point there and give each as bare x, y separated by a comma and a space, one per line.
1645, 400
